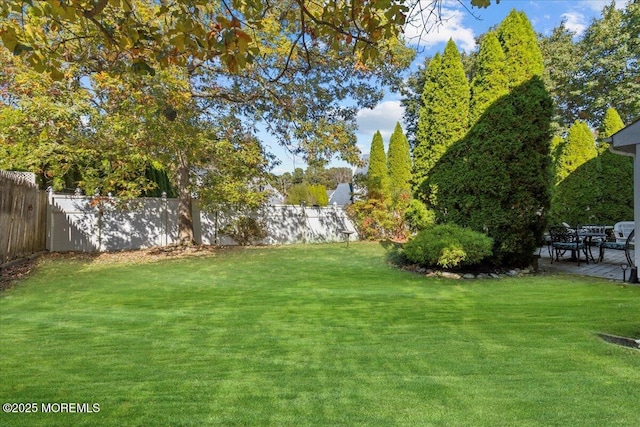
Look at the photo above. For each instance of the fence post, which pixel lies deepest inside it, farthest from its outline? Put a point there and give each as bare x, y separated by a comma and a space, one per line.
50, 219
166, 218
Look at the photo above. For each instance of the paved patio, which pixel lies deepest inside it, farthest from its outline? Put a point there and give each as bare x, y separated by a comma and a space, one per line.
609, 268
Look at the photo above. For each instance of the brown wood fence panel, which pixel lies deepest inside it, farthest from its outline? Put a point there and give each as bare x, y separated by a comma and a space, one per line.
23, 213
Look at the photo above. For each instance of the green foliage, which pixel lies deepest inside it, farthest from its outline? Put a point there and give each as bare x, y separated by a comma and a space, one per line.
373, 219
559, 52
418, 217
160, 178
601, 189
412, 99
145, 35
496, 180
444, 116
330, 177
377, 174
578, 149
611, 123
309, 194
490, 81
399, 165
245, 230
448, 246
297, 194
607, 69
520, 45
318, 195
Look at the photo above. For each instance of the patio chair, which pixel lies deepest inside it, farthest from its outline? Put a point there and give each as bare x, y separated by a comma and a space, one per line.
628, 246
565, 239
622, 230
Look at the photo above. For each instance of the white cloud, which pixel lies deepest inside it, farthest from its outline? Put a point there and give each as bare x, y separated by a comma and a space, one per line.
427, 31
575, 22
598, 5
383, 118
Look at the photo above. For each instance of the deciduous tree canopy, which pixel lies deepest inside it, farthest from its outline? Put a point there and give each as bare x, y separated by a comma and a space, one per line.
148, 33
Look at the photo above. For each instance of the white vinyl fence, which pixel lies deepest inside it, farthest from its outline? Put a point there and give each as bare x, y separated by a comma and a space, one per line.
89, 224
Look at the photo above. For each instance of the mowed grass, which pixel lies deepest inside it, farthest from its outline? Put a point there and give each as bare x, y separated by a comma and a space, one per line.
313, 336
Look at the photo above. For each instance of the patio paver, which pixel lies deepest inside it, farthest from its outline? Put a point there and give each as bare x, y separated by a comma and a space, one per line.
609, 268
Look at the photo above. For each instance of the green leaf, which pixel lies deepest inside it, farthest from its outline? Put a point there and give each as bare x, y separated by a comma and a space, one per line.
482, 3
141, 67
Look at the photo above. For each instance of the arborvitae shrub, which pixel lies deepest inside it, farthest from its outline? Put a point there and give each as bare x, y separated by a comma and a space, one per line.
444, 116
309, 194
399, 165
377, 174
496, 180
318, 195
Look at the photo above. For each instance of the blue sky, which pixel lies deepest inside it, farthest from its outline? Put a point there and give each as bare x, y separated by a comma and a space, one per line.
463, 27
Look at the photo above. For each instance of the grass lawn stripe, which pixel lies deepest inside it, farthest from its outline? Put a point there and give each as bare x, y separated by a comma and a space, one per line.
315, 335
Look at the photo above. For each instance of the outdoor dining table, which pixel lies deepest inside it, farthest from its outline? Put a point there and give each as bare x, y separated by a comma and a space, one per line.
591, 236
576, 239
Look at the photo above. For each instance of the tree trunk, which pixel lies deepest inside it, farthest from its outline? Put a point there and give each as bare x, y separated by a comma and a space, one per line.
185, 215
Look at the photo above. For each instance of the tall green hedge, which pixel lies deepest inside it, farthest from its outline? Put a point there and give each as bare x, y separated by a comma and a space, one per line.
399, 165
600, 189
444, 116
578, 148
520, 45
496, 180
490, 81
377, 174
309, 194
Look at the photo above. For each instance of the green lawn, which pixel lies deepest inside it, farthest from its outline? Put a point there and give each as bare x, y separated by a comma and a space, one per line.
312, 336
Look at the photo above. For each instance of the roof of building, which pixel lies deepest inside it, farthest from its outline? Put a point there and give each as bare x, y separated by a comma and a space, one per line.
342, 195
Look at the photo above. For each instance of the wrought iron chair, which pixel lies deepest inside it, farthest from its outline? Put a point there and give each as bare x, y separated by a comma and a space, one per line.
628, 246
563, 239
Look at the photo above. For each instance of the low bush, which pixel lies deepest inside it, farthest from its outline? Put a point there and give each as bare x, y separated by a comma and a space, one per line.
448, 246
373, 219
418, 216
245, 230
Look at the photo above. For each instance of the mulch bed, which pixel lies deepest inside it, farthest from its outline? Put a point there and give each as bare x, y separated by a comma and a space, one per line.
19, 269
11, 274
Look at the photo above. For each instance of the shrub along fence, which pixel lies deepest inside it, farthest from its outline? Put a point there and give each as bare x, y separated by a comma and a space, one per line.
23, 210
94, 224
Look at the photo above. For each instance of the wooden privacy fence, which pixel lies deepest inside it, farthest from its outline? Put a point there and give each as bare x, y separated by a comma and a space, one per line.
23, 215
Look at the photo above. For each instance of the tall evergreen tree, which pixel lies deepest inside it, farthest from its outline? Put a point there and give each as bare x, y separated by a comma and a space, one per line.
611, 124
399, 165
490, 81
578, 149
520, 45
378, 174
444, 116
496, 179
616, 175
600, 189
